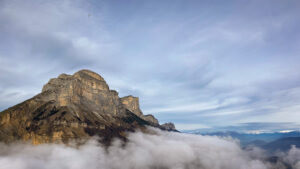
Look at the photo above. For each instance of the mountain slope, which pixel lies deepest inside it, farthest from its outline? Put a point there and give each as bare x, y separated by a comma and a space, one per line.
282, 144
70, 107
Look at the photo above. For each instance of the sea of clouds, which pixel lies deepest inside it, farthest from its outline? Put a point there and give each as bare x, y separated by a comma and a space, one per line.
162, 150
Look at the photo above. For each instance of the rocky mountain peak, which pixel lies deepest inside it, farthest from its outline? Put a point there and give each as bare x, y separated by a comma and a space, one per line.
88, 75
85, 77
83, 87
132, 104
169, 126
74, 106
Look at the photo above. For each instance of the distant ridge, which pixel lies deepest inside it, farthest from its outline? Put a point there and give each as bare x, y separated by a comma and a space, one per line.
282, 144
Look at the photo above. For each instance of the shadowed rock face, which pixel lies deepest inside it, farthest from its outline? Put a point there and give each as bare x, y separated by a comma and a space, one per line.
74, 107
132, 104
169, 126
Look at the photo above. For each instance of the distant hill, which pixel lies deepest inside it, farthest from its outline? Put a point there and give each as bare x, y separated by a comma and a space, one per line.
257, 143
254, 139
282, 144
270, 142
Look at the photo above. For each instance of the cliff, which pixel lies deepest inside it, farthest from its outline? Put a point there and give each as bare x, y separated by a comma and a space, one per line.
74, 107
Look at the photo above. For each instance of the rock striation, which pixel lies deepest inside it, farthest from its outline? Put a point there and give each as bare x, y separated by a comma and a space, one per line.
75, 107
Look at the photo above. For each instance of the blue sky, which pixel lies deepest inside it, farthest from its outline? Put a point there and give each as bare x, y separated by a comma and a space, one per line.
198, 63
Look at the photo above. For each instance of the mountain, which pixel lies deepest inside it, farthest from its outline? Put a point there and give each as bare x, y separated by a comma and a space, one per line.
250, 138
75, 107
282, 144
271, 142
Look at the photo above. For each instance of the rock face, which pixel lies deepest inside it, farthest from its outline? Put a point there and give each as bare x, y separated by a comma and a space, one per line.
169, 126
132, 104
77, 107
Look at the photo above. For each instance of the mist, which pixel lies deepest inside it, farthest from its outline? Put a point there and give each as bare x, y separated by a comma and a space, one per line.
158, 150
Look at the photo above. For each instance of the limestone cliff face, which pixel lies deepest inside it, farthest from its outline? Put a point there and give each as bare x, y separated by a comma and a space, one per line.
83, 88
132, 104
72, 107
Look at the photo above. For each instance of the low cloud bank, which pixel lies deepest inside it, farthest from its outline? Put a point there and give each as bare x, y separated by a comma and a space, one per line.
163, 150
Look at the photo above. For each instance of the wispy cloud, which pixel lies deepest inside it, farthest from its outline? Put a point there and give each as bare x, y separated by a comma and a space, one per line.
191, 62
